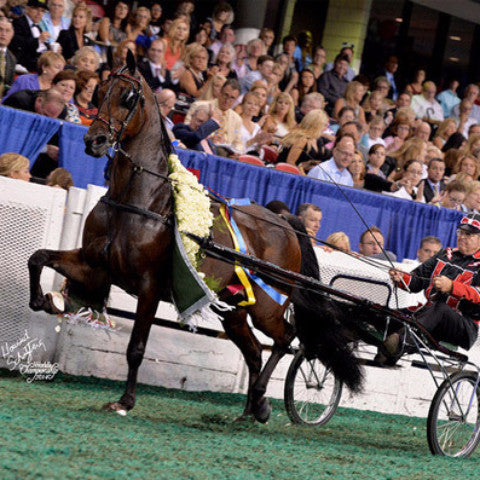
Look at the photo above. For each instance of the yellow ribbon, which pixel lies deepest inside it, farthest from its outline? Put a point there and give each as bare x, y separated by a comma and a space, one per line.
238, 269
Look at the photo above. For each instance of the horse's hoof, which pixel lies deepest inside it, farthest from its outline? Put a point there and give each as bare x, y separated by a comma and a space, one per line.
263, 411
55, 301
115, 407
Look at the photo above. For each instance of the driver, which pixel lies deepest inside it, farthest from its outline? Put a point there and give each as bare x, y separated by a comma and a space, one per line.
452, 286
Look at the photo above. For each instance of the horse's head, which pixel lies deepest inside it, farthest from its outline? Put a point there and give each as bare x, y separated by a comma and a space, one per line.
120, 115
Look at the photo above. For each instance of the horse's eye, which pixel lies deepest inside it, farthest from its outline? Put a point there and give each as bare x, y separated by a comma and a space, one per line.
129, 99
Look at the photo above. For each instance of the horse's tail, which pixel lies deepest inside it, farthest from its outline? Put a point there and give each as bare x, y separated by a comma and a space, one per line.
316, 320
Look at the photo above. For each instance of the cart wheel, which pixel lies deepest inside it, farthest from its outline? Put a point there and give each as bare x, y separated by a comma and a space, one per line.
312, 393
453, 419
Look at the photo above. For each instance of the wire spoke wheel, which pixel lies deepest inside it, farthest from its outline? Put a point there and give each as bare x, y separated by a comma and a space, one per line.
453, 425
312, 393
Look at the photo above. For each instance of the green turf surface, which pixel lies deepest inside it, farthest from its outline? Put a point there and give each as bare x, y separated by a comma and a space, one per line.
57, 430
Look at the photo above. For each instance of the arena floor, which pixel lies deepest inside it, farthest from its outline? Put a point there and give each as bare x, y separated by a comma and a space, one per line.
57, 430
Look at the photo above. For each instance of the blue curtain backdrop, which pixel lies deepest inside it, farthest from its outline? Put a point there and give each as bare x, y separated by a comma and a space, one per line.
404, 223
25, 133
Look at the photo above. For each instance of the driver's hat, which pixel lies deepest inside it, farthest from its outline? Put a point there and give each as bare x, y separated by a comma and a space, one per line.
470, 223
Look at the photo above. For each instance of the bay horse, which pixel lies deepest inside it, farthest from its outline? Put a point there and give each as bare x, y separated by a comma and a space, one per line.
128, 240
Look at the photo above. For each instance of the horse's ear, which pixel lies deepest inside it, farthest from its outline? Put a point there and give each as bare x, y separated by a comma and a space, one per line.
131, 62
110, 58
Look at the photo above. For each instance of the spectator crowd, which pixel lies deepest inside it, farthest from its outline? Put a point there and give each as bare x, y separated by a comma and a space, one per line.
267, 101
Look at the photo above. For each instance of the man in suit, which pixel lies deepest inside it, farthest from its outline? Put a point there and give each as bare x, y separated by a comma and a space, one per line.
7, 59
203, 123
29, 42
434, 183
152, 67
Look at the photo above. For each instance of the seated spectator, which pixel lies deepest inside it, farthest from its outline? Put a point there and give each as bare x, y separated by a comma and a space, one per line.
86, 84
449, 98
335, 169
49, 64
227, 35
252, 136
332, 84
292, 66
453, 196
357, 169
224, 60
409, 179
429, 247
471, 94
301, 146
76, 36
414, 148
213, 88
374, 178
474, 130
255, 49
267, 36
278, 207
375, 132
65, 83
318, 61
112, 28
372, 244
373, 106
311, 216
60, 178
472, 145
260, 90
222, 15
355, 130
311, 101
347, 52
425, 106
239, 64
86, 58
14, 165
455, 141
263, 72
202, 124
468, 165
7, 59
29, 42
227, 138
303, 51
339, 240
166, 101
49, 103
382, 85
471, 204
175, 40
465, 119
345, 115
415, 88
352, 97
137, 29
444, 130
54, 20
155, 25
152, 67
434, 184
306, 84
193, 80
119, 58
400, 131
281, 116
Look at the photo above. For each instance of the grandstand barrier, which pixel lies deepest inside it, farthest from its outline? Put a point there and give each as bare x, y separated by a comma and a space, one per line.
35, 216
403, 222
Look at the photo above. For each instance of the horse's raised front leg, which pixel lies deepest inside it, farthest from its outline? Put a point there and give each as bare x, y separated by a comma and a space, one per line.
238, 330
146, 308
69, 263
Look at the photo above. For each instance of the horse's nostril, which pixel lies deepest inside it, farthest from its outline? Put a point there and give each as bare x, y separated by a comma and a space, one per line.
100, 140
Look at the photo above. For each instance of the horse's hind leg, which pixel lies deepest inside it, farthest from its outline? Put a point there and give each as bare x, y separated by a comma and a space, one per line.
238, 330
146, 308
69, 263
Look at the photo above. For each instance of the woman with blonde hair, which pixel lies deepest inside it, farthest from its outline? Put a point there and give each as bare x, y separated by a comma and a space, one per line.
445, 129
339, 240
76, 36
468, 165
255, 48
473, 144
193, 82
413, 149
49, 64
175, 41
281, 116
223, 63
352, 97
86, 58
214, 85
252, 136
14, 165
300, 147
260, 90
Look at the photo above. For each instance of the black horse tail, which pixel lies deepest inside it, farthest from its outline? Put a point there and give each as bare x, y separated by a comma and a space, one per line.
316, 320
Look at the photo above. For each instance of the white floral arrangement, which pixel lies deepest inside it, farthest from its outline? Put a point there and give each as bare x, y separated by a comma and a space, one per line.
191, 206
